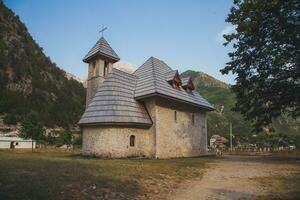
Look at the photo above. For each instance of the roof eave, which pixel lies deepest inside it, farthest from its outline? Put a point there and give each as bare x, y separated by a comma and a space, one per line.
121, 124
87, 59
173, 98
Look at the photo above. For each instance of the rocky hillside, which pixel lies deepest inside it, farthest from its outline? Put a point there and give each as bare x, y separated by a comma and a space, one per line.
219, 94
29, 81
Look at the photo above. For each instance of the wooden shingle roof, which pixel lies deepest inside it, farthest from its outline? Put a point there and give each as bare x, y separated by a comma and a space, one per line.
152, 76
170, 75
118, 100
101, 48
185, 80
114, 103
187, 83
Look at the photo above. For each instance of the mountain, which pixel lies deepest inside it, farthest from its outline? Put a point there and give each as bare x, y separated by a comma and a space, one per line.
70, 76
219, 94
125, 66
29, 81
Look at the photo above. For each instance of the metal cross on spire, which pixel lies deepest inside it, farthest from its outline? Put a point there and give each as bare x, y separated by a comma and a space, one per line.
102, 30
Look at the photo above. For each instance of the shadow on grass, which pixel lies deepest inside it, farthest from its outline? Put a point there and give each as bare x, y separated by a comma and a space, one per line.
79, 155
26, 178
69, 175
232, 194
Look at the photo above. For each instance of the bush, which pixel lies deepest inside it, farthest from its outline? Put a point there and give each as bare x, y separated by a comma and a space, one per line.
65, 137
77, 141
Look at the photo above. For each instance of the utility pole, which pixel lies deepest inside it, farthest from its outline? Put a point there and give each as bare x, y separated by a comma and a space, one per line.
230, 136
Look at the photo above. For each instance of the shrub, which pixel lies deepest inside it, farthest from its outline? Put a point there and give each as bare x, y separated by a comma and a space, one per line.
77, 142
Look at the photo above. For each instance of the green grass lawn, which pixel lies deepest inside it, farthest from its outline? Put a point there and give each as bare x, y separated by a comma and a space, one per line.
67, 175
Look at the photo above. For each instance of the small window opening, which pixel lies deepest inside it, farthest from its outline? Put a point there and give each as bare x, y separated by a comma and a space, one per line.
175, 116
193, 119
189, 89
176, 82
94, 68
105, 72
176, 85
132, 140
17, 143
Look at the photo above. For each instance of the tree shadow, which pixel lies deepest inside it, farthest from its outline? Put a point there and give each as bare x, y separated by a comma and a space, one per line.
232, 194
59, 179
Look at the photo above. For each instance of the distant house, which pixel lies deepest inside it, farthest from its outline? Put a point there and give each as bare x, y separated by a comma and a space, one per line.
217, 140
15, 143
152, 112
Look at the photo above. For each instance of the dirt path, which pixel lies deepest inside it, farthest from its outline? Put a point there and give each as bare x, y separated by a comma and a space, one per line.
232, 178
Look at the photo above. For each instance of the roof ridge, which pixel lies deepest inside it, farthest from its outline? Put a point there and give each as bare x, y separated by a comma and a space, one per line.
142, 65
153, 71
163, 62
117, 70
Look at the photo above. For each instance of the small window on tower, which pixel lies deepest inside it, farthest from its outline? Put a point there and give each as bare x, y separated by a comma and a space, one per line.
175, 116
132, 140
94, 68
105, 72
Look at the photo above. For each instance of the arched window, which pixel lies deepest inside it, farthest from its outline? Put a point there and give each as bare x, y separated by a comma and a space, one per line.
132, 140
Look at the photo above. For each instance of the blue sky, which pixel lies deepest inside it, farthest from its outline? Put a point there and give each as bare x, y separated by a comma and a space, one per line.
185, 34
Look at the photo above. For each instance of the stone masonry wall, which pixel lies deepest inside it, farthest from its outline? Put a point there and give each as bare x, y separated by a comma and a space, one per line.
92, 87
152, 111
114, 142
180, 138
164, 139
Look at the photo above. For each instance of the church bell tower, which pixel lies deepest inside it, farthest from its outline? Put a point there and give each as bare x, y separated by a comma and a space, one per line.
100, 60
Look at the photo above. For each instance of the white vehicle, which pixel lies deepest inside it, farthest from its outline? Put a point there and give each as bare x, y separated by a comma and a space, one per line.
292, 147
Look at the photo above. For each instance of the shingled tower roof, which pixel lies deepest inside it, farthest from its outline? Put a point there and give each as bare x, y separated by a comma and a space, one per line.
101, 48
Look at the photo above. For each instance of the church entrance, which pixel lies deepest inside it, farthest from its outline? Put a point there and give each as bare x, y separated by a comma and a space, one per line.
12, 145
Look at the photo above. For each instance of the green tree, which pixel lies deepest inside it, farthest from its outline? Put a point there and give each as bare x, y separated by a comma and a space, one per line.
31, 128
266, 59
77, 142
65, 137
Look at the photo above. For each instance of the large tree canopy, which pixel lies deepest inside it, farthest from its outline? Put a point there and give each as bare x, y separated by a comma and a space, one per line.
266, 58
31, 128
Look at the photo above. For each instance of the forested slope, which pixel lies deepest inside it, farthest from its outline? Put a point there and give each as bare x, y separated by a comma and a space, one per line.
219, 94
29, 81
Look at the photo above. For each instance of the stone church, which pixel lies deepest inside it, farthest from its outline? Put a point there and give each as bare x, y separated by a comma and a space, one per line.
152, 112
